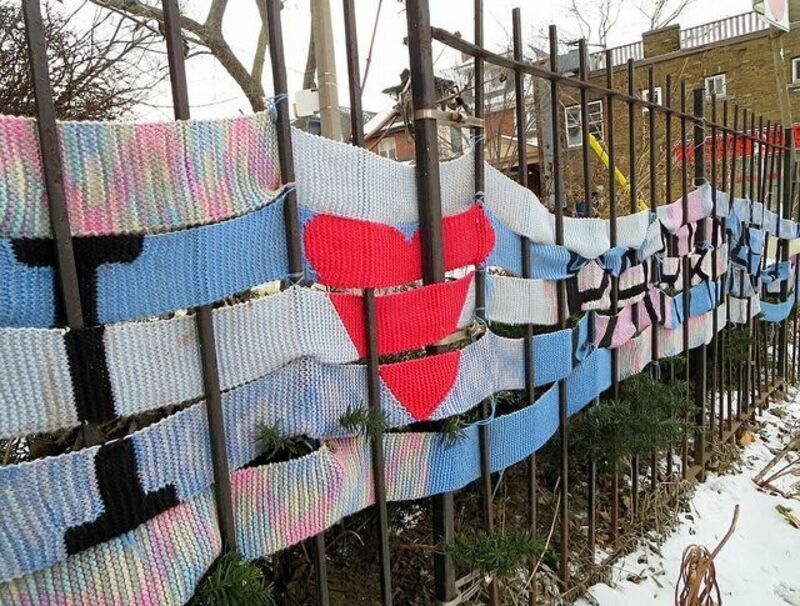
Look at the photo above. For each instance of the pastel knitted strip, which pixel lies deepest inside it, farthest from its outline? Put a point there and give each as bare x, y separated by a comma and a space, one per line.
636, 354
160, 562
127, 178
699, 205
742, 309
700, 267
128, 277
670, 340
151, 364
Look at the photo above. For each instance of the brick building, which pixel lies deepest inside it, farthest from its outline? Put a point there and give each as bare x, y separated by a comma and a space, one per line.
738, 59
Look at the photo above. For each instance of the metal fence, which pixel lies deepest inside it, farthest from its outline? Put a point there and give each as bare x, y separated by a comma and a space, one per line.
687, 122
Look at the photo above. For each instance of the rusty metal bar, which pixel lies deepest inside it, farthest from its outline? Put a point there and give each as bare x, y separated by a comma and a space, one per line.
699, 353
685, 262
563, 415
291, 219
671, 242
426, 153
527, 272
634, 207
785, 212
205, 322
66, 273
370, 323
591, 480
614, 306
716, 364
651, 115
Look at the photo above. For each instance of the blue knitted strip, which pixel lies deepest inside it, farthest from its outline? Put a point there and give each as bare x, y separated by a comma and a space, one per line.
703, 298
160, 273
231, 257
507, 252
777, 312
589, 380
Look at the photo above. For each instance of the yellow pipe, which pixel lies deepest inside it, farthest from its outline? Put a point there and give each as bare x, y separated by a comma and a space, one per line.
621, 180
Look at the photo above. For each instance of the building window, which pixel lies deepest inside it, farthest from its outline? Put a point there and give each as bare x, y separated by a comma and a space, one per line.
388, 148
574, 124
645, 94
796, 70
716, 85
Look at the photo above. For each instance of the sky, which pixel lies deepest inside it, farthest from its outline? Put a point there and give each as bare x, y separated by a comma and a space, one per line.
214, 94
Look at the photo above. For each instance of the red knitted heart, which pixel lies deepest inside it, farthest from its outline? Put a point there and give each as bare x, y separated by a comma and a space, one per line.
406, 320
350, 253
420, 385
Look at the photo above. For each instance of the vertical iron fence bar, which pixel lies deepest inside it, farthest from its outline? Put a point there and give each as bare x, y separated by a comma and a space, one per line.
723, 376
480, 294
291, 218
561, 297
764, 382
774, 204
685, 262
753, 326
699, 362
634, 207
370, 322
426, 152
527, 272
614, 307
651, 115
671, 242
761, 161
732, 192
205, 321
591, 480
715, 384
785, 213
51, 163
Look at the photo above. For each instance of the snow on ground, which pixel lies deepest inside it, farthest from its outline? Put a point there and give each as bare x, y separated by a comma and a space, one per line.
760, 564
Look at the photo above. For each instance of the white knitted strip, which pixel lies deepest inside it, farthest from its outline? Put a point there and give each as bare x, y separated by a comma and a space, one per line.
521, 301
35, 383
153, 364
355, 183
739, 308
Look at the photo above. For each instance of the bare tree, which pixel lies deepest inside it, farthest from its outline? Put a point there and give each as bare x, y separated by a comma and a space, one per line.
208, 35
97, 72
595, 18
660, 13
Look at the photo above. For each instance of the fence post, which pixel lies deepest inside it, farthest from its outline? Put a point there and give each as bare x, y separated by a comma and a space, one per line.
370, 322
480, 294
522, 179
561, 297
205, 321
426, 152
786, 213
698, 364
290, 216
67, 272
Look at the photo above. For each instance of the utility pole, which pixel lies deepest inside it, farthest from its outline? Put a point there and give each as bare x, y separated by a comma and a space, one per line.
322, 32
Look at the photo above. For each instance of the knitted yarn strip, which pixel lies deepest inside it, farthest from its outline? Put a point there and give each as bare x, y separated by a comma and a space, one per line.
294, 499
151, 364
46, 497
128, 178
129, 277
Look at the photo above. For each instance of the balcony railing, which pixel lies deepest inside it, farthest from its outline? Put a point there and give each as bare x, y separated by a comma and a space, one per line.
692, 37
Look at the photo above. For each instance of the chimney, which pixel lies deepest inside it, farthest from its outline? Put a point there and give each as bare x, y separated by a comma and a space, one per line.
662, 41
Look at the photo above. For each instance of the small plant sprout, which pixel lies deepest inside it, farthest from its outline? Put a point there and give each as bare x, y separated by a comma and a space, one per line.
364, 421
